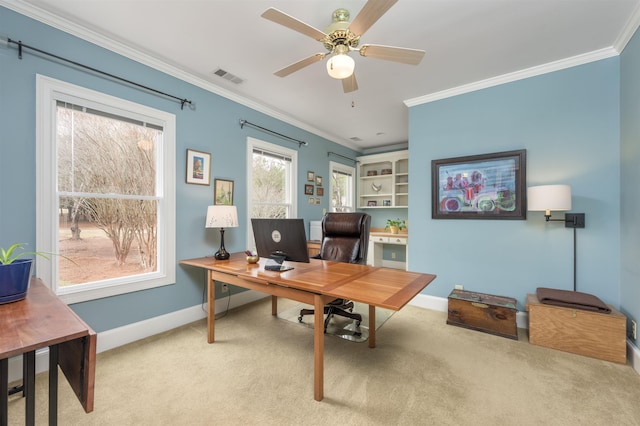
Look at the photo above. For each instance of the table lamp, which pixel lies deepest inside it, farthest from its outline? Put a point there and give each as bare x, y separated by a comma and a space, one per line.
550, 198
221, 217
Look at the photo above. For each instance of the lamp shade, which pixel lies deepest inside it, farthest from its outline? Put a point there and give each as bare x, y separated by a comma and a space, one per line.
221, 217
340, 66
549, 197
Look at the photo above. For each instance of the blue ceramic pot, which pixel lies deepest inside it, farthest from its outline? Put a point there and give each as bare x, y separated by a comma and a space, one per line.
14, 280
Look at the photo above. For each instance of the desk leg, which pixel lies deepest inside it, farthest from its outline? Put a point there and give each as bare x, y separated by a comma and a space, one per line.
211, 307
318, 348
274, 305
30, 388
53, 385
4, 391
372, 326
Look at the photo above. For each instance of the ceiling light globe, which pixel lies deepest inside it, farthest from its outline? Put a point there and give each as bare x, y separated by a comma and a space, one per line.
340, 66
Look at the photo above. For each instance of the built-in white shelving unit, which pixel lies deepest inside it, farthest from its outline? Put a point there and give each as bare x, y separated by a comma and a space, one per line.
383, 180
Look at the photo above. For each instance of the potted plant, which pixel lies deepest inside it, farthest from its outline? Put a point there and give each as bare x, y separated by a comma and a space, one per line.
395, 225
15, 273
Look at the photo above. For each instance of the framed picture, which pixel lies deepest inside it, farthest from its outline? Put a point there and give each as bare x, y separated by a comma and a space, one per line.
320, 192
318, 180
310, 176
312, 200
317, 200
223, 192
386, 203
488, 186
198, 167
372, 203
308, 190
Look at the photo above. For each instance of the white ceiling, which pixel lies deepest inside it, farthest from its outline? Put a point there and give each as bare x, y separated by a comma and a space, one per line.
469, 44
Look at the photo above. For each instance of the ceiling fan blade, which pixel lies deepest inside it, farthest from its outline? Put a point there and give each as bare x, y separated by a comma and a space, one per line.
300, 64
390, 53
290, 22
370, 13
350, 84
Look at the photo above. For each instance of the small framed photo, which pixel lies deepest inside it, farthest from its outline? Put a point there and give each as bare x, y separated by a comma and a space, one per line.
223, 192
317, 200
310, 176
318, 180
308, 190
320, 192
312, 200
386, 203
372, 203
198, 167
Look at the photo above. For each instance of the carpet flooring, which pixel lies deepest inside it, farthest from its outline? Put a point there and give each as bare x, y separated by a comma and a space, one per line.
422, 372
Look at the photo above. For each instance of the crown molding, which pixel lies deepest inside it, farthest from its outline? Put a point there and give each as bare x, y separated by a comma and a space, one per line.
515, 76
628, 30
93, 37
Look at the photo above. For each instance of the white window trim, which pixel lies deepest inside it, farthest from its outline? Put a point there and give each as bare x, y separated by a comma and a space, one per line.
48, 90
258, 144
344, 169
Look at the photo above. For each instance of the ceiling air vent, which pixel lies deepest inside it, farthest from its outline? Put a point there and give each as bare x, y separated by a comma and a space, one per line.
356, 139
228, 76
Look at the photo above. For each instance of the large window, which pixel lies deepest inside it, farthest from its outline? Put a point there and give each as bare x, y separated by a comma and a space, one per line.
105, 193
271, 182
342, 187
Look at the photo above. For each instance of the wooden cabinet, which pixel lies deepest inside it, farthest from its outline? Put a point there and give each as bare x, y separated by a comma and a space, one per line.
592, 334
313, 247
383, 180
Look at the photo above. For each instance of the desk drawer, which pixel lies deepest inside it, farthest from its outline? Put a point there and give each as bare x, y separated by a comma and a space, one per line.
377, 239
397, 240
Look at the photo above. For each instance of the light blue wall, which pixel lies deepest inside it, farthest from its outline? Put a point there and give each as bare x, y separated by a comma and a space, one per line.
630, 165
212, 127
568, 121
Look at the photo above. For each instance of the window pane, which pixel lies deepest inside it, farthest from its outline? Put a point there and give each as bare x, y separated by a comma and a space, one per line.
103, 155
105, 236
341, 191
270, 176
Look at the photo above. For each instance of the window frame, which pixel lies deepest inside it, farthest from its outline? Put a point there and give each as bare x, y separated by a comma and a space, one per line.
252, 144
343, 168
48, 92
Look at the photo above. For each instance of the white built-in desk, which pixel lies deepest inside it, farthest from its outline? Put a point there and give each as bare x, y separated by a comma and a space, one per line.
376, 242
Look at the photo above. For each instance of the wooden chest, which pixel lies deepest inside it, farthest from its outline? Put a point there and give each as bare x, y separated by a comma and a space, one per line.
592, 334
483, 312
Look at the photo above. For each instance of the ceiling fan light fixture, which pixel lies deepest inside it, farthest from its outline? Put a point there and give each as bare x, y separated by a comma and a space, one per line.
340, 66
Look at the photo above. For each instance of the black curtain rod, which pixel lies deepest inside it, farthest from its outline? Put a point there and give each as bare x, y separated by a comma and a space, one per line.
287, 138
21, 45
330, 153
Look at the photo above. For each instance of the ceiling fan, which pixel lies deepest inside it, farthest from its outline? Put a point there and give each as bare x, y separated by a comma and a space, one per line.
342, 37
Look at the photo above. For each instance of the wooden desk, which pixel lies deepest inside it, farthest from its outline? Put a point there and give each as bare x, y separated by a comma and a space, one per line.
38, 321
315, 283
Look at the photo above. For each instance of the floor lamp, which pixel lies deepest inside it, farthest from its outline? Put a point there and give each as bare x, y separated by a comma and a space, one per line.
550, 198
222, 217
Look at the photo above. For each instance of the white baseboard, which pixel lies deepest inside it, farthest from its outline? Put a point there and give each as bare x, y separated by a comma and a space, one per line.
130, 333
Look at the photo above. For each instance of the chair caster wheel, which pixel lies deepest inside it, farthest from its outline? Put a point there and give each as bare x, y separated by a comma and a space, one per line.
357, 323
300, 318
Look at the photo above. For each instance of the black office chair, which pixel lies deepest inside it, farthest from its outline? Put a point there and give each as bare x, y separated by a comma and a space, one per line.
345, 238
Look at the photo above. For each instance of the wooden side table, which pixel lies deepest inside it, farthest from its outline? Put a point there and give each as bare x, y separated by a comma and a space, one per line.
43, 320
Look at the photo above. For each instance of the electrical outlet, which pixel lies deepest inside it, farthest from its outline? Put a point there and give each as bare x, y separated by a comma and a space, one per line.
459, 287
224, 288
633, 329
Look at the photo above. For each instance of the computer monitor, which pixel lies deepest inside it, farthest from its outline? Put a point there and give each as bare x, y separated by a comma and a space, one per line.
281, 237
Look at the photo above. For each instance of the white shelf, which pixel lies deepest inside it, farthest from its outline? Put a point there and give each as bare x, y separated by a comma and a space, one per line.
397, 181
